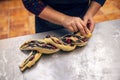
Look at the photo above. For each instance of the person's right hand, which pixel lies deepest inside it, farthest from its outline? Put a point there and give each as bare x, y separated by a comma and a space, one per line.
75, 24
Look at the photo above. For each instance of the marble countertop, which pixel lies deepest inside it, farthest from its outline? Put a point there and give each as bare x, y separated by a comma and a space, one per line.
99, 60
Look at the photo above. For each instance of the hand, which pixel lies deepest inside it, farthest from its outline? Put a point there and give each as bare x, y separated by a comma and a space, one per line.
75, 24
88, 20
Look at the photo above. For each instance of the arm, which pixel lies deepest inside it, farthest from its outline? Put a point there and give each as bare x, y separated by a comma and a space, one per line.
47, 13
52, 15
94, 7
72, 23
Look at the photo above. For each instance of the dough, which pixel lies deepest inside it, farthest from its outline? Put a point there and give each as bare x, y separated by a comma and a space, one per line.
50, 45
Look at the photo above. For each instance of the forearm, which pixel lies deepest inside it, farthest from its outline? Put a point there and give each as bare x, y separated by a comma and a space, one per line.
56, 17
43, 11
74, 24
52, 15
94, 7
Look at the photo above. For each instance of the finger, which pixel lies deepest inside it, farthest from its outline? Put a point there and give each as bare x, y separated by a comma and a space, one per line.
92, 25
87, 30
88, 35
88, 24
85, 21
74, 27
81, 29
82, 22
84, 26
92, 28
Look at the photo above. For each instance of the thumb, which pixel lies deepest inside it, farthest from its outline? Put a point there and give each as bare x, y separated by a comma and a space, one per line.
92, 25
86, 23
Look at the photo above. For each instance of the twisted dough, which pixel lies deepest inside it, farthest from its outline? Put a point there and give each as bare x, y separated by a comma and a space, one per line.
50, 45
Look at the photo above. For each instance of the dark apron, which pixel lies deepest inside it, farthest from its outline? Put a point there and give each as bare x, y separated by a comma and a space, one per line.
69, 7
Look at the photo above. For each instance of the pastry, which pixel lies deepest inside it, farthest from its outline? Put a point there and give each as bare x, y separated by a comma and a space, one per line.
50, 45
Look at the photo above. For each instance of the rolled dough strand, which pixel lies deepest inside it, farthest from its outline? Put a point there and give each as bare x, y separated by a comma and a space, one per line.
60, 44
74, 39
30, 61
89, 34
40, 46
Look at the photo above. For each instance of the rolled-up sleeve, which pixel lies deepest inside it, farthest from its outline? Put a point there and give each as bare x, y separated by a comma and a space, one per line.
101, 2
34, 6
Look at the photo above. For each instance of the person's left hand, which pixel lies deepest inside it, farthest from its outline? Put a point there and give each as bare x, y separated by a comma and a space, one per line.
88, 19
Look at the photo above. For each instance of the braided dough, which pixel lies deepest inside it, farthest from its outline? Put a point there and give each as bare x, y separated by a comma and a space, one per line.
50, 45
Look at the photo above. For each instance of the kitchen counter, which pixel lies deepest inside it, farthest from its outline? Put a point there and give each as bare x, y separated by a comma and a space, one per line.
98, 60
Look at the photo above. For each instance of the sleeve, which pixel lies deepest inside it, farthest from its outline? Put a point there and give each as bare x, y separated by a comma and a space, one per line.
101, 2
34, 6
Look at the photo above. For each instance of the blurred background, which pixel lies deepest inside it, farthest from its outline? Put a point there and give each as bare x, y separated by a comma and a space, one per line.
15, 20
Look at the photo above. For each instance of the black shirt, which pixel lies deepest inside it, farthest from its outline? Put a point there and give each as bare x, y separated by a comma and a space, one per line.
36, 6
70, 7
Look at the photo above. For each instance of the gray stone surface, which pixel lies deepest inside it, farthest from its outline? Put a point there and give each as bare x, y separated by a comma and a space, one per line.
99, 60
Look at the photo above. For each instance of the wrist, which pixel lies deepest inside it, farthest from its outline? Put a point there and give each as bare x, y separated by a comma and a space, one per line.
88, 15
94, 7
